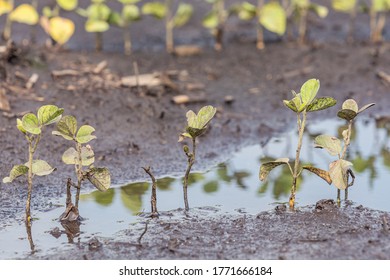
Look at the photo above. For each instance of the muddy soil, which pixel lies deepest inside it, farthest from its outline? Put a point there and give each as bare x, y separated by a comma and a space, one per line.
137, 129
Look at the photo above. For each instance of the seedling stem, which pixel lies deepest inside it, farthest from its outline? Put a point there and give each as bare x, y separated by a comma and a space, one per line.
191, 161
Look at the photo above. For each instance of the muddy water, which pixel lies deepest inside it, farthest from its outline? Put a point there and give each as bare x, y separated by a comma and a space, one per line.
232, 186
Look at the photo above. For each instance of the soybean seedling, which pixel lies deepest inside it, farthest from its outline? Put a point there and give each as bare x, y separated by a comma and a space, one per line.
301, 8
59, 29
340, 169
129, 14
271, 16
31, 126
98, 15
196, 125
81, 156
302, 103
163, 11
215, 20
24, 13
349, 7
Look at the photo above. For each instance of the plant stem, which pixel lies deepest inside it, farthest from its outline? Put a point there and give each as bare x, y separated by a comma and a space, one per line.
153, 199
127, 40
302, 25
29, 237
347, 140
169, 27
99, 41
372, 23
191, 160
351, 30
260, 35
301, 129
79, 172
29, 182
220, 7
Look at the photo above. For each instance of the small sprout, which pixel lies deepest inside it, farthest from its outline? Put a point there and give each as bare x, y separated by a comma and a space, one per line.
302, 103
81, 156
163, 11
340, 169
196, 125
31, 127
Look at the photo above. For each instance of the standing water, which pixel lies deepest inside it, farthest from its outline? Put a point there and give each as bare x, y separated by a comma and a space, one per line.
232, 187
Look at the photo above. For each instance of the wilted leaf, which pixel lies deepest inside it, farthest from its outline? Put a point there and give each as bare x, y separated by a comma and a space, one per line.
131, 13
345, 6
25, 13
321, 103
273, 18
5, 7
183, 14
338, 171
31, 124
70, 156
266, 168
320, 10
346, 114
16, 171
308, 92
323, 174
96, 26
67, 5
156, 9
350, 104
66, 127
41, 168
365, 107
84, 135
49, 114
211, 21
100, 178
330, 143
60, 29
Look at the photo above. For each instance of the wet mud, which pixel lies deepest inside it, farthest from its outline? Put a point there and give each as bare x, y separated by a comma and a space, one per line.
136, 129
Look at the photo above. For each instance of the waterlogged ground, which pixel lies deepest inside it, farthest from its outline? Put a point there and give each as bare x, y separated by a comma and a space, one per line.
231, 190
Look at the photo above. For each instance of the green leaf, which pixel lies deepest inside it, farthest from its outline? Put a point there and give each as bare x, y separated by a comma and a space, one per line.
273, 17
98, 12
49, 114
84, 134
365, 107
26, 14
116, 19
350, 104
345, 6
323, 174
41, 167
156, 9
246, 11
330, 143
211, 21
320, 10
321, 103
31, 124
96, 26
67, 5
290, 104
66, 127
338, 171
308, 92
19, 126
16, 171
197, 123
183, 14
131, 13
266, 167
381, 5
100, 178
346, 114
70, 156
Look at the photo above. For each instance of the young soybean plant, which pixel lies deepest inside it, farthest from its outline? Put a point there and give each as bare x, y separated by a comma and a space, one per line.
215, 20
81, 156
339, 170
196, 126
302, 103
31, 126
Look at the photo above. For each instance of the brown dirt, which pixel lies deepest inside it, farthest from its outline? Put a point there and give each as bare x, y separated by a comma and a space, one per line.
136, 130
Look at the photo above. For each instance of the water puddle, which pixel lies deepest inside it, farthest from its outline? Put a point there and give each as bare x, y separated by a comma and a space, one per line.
232, 186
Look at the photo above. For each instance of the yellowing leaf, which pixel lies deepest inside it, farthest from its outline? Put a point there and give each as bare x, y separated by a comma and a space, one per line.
49, 114
197, 123
70, 156
321, 103
25, 13
211, 21
41, 168
5, 7
131, 13
100, 178
84, 135
267, 167
330, 143
60, 29
183, 14
156, 9
338, 171
309, 91
323, 174
19, 126
96, 26
67, 5
273, 18
16, 171
66, 127
345, 6
30, 123
350, 104
320, 10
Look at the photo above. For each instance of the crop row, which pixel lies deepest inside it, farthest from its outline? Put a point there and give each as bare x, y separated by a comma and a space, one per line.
276, 16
